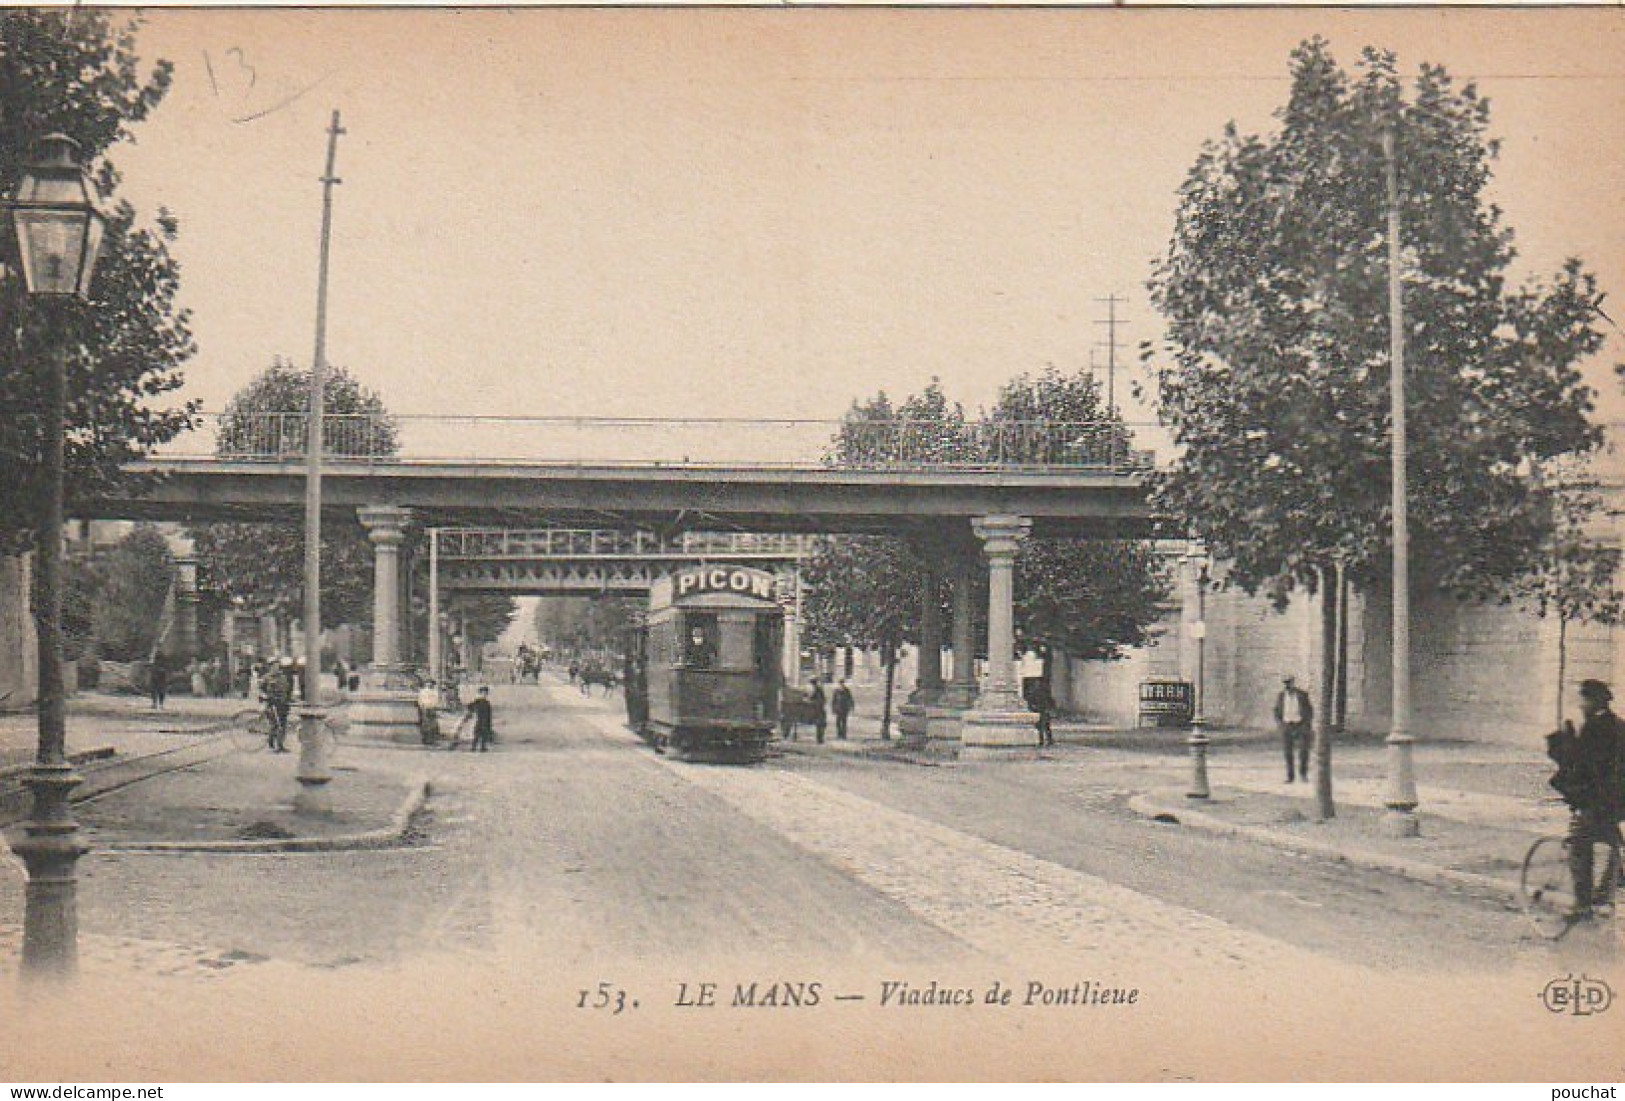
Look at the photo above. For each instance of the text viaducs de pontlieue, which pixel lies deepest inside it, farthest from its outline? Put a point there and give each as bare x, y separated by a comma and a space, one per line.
901, 994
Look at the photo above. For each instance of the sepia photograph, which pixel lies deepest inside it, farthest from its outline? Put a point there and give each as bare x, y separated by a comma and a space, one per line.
835, 544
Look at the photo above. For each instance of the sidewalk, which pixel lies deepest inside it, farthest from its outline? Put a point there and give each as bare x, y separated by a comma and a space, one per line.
171, 780
97, 722
1480, 806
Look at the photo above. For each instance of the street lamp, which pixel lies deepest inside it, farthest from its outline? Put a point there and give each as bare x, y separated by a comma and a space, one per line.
59, 232
1197, 558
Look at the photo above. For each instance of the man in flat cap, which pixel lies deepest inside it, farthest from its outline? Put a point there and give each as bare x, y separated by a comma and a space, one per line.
1293, 716
1589, 767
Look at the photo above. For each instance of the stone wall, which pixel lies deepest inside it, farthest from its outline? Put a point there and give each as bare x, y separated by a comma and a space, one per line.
19, 646
1479, 672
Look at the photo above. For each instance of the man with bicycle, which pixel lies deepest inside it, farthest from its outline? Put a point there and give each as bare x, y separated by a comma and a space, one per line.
1589, 777
277, 692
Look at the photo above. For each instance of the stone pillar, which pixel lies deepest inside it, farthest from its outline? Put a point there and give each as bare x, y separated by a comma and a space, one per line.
790, 597
385, 708
185, 646
386, 527
913, 717
1000, 725
961, 693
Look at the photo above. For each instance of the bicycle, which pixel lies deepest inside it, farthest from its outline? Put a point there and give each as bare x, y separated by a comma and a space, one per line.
250, 730
1546, 886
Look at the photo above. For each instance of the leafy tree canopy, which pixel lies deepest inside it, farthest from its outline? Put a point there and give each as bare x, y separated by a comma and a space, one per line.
925, 428
1089, 598
136, 582
484, 616
1274, 288
583, 622
75, 71
861, 590
262, 565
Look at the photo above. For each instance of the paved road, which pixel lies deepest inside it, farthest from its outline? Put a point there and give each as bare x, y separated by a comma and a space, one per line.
574, 841
1072, 811
573, 855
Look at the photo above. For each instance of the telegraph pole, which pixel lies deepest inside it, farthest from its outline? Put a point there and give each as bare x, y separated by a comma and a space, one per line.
313, 774
1110, 344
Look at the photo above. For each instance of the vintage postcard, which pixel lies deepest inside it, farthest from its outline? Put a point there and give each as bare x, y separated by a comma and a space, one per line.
856, 544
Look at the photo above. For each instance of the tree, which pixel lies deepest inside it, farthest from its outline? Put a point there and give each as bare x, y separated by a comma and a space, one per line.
1273, 288
484, 616
586, 622
137, 580
1574, 578
76, 72
262, 565
863, 590
926, 429
1089, 598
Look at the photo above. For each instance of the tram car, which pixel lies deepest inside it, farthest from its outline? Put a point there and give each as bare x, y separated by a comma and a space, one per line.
703, 676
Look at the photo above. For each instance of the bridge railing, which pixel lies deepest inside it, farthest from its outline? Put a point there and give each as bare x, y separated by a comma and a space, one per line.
487, 544
888, 444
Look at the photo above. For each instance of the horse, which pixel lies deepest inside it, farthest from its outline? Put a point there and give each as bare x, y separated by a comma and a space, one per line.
597, 674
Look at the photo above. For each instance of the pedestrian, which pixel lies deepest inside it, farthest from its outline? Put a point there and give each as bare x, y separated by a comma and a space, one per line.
159, 686
1590, 776
479, 711
1042, 703
840, 702
429, 712
575, 671
815, 704
1293, 716
341, 675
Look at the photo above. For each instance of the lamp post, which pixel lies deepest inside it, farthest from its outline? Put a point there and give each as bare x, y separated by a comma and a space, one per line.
1196, 557
435, 624
1400, 796
59, 231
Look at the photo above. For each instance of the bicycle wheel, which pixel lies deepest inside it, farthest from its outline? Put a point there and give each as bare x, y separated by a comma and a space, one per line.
1546, 889
1605, 895
249, 731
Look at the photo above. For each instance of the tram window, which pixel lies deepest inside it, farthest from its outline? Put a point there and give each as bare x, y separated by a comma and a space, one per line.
737, 637
766, 644
700, 640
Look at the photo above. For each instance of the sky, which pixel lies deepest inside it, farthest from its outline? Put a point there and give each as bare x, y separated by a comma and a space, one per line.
769, 213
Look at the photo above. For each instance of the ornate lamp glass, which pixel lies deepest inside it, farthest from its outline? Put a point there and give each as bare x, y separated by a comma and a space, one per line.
58, 223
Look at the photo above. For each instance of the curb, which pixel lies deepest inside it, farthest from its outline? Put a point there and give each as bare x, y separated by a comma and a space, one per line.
100, 753
1415, 870
418, 791
868, 749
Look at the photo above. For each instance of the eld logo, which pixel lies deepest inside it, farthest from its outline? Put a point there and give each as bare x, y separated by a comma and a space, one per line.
1583, 996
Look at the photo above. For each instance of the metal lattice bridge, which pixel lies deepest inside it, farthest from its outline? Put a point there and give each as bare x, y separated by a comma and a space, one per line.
579, 561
